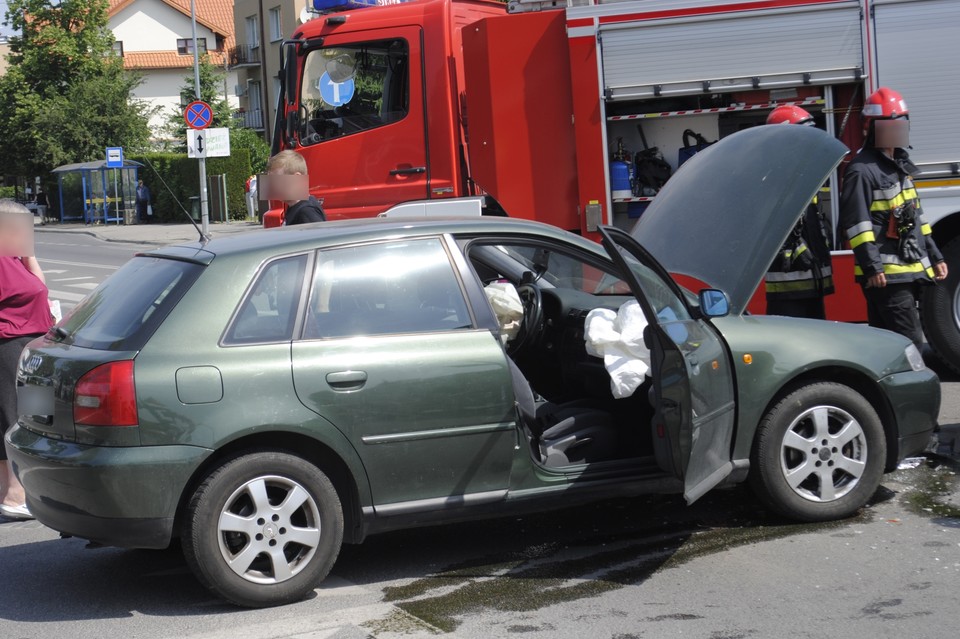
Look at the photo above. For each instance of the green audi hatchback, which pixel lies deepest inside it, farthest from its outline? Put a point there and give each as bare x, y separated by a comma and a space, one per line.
268, 397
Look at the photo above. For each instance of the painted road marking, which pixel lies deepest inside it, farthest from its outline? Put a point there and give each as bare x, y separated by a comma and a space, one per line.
64, 295
83, 264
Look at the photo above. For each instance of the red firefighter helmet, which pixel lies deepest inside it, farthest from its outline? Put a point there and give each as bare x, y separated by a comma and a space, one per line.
789, 114
884, 104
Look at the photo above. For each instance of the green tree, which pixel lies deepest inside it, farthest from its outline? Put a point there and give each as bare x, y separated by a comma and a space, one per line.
211, 92
241, 138
65, 96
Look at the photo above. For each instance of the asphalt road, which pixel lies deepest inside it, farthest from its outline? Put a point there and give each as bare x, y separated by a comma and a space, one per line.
624, 569
75, 263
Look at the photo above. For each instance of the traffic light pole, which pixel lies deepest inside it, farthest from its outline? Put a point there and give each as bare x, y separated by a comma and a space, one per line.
204, 210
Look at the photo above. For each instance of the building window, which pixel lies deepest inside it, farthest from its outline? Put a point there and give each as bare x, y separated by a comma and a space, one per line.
276, 28
185, 46
253, 32
254, 97
118, 47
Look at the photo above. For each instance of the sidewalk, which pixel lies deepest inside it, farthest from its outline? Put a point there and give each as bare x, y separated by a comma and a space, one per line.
157, 234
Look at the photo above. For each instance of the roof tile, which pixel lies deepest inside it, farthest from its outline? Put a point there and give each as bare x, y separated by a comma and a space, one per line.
164, 59
217, 15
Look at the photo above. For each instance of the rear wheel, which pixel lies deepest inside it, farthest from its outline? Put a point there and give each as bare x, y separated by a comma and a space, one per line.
263, 529
940, 311
819, 453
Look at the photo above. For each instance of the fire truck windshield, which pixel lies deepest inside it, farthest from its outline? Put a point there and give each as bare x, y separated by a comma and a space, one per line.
349, 89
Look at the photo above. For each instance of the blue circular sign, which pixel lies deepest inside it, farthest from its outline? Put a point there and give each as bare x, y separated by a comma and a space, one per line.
198, 115
336, 93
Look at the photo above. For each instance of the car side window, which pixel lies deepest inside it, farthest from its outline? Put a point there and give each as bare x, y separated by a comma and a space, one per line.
269, 312
672, 313
404, 286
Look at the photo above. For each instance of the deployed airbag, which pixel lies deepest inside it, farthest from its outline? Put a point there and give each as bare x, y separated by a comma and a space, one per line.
507, 306
617, 337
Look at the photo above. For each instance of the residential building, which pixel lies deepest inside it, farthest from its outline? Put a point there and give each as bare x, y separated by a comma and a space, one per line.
260, 27
4, 52
155, 38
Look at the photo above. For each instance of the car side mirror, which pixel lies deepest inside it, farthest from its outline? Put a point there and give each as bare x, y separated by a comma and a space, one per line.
714, 303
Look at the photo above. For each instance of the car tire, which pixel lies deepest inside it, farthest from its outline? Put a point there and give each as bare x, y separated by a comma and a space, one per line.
818, 454
940, 311
263, 529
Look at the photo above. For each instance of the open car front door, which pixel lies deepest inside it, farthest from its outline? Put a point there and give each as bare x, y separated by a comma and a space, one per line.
693, 391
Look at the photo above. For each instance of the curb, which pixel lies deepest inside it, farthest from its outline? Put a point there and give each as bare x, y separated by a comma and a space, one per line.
94, 234
45, 229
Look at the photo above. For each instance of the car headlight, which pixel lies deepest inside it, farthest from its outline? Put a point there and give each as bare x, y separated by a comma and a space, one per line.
914, 357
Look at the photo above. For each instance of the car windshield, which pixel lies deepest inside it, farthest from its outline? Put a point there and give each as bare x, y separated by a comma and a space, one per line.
125, 310
563, 271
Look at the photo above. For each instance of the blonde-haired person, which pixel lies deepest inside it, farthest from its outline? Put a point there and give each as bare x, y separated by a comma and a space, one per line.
299, 210
24, 315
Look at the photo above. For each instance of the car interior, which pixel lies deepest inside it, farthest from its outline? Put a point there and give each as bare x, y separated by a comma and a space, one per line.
564, 398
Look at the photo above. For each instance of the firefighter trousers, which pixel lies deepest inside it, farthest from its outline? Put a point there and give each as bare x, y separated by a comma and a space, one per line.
810, 307
894, 307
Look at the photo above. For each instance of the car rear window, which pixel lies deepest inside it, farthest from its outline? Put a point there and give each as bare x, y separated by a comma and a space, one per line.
124, 311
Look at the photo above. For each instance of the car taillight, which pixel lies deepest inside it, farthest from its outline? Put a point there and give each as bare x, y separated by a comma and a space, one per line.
106, 396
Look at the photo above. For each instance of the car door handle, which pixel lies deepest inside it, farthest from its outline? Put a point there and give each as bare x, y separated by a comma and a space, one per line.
347, 380
669, 406
412, 170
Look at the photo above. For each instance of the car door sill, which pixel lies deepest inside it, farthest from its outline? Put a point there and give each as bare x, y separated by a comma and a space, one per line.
439, 503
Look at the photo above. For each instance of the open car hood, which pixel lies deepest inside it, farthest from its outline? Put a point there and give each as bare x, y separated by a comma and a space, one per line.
724, 215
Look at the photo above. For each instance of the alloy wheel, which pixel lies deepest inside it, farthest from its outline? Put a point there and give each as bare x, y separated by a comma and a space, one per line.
823, 453
269, 529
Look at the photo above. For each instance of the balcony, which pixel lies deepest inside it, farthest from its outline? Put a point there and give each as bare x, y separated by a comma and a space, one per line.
249, 119
244, 55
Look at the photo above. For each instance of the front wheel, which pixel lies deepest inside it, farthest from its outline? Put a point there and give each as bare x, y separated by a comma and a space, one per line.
819, 453
263, 529
940, 310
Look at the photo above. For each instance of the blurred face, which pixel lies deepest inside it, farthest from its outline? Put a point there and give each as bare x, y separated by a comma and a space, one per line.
280, 186
892, 134
16, 235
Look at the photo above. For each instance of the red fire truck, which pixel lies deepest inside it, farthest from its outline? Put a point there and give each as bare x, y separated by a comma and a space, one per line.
528, 103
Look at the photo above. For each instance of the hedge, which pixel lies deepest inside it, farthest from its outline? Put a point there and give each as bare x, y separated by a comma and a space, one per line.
182, 177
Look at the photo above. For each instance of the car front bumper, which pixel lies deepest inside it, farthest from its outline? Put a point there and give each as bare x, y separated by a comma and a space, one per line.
117, 496
914, 397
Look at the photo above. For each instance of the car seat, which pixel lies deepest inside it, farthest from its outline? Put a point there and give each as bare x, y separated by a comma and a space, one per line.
564, 434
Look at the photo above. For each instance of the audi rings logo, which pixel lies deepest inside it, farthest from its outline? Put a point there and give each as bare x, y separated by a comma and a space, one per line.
31, 364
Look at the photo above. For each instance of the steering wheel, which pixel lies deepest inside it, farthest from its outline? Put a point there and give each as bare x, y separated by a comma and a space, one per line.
532, 317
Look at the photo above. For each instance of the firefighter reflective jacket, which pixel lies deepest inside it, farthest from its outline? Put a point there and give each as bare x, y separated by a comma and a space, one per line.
802, 268
881, 216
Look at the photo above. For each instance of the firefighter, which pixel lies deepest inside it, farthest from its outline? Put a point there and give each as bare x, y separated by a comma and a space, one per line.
801, 274
881, 215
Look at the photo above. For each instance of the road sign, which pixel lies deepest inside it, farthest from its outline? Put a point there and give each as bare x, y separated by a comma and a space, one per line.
198, 115
335, 93
211, 143
114, 157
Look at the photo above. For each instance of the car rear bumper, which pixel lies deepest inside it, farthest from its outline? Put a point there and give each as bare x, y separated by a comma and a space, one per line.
915, 399
117, 496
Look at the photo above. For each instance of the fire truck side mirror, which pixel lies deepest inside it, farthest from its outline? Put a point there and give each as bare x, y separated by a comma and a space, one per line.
290, 71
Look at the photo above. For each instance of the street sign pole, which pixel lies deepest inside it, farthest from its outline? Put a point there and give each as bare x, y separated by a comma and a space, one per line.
204, 211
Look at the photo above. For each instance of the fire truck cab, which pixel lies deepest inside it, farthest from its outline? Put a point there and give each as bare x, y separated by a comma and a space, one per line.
543, 107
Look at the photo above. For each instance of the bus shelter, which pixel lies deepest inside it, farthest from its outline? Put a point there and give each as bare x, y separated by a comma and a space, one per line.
94, 193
